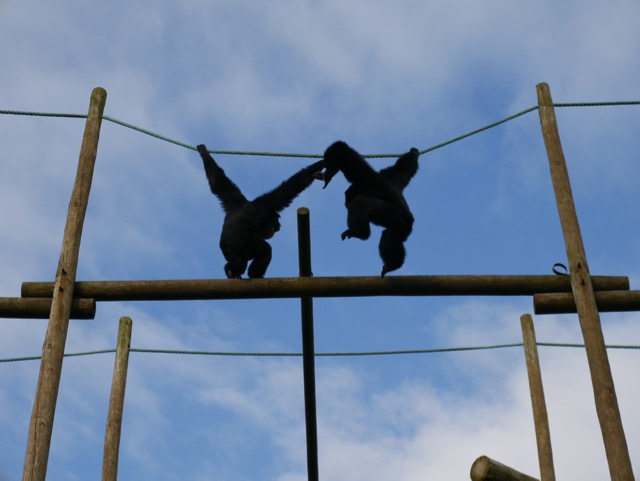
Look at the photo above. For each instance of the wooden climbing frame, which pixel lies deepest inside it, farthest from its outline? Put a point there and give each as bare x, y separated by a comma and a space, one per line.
578, 291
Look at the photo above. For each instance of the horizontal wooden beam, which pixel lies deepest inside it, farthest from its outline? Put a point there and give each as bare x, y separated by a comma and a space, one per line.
607, 301
487, 469
34, 308
293, 287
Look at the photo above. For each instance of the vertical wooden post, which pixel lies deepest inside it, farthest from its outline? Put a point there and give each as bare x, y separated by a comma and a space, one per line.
606, 401
116, 402
540, 419
308, 347
41, 426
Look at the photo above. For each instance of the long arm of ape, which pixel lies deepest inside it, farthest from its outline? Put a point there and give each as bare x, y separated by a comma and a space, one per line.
281, 197
364, 179
340, 156
400, 173
227, 192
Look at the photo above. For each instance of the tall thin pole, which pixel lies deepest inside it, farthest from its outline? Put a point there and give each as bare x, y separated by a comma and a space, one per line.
308, 348
116, 402
606, 401
540, 418
44, 405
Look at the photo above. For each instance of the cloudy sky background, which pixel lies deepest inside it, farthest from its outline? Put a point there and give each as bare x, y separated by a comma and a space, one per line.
285, 76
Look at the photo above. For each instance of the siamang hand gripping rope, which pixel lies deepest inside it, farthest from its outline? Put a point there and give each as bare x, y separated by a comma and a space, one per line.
375, 197
248, 223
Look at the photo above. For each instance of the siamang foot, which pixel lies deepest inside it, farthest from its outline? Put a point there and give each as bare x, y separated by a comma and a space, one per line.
230, 274
348, 234
388, 268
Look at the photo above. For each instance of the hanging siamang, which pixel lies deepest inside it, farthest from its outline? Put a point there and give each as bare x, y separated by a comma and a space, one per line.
375, 197
248, 223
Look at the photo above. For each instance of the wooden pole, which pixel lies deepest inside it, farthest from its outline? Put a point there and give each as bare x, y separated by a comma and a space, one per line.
21, 308
296, 287
540, 418
487, 469
606, 401
41, 425
116, 402
308, 348
607, 301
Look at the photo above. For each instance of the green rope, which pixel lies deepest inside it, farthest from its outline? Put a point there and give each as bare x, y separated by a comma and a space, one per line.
42, 114
481, 129
147, 132
71, 354
598, 104
18, 359
324, 354
288, 154
258, 153
608, 346
320, 354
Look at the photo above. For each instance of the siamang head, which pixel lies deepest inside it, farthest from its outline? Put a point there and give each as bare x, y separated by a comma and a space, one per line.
333, 158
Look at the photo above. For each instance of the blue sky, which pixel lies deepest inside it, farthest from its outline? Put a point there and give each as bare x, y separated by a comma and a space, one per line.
288, 76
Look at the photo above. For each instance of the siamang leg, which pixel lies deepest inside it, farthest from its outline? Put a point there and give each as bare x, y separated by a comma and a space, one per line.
392, 251
395, 218
236, 260
398, 224
235, 267
261, 259
359, 213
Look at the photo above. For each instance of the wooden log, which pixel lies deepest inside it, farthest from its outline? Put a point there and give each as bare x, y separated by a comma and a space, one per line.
487, 469
42, 416
34, 308
116, 402
607, 301
606, 401
540, 418
295, 287
308, 347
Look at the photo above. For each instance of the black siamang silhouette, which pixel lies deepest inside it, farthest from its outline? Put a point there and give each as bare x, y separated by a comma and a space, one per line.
375, 197
248, 223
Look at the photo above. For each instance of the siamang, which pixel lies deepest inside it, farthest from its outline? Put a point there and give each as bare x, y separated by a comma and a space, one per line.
248, 223
375, 197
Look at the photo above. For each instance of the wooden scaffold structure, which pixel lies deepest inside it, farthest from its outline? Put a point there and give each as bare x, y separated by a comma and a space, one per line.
578, 292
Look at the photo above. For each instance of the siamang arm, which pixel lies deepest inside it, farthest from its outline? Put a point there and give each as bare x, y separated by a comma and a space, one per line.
340, 156
281, 197
400, 173
227, 192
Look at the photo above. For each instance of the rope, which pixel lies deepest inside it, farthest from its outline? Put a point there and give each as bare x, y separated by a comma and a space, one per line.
325, 354
598, 104
148, 132
608, 346
317, 156
71, 354
320, 354
481, 129
42, 114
